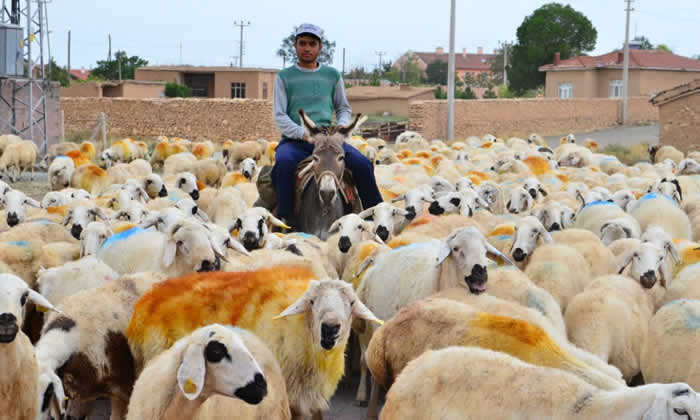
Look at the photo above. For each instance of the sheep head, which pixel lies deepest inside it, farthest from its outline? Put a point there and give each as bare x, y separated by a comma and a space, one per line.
525, 238
195, 245
14, 295
92, 238
645, 264
251, 228
351, 229
386, 219
15, 203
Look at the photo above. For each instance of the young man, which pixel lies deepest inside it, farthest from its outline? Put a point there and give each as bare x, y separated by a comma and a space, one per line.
319, 91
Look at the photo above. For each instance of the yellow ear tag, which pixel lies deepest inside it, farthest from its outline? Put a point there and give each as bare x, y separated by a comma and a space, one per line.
234, 232
285, 226
41, 308
190, 387
378, 321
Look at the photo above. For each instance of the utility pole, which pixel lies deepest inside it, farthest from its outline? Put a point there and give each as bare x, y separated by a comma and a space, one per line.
343, 62
109, 51
69, 56
451, 76
180, 52
505, 63
241, 24
626, 65
380, 54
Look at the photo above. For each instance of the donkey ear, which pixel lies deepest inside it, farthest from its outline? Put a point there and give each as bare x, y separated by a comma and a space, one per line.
309, 126
347, 129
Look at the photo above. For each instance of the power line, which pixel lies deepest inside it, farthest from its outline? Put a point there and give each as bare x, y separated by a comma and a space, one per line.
241, 24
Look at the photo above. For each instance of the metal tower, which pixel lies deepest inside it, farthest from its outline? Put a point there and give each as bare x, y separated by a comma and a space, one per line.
31, 104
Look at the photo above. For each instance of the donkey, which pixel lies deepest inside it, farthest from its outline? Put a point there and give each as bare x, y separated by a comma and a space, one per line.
322, 200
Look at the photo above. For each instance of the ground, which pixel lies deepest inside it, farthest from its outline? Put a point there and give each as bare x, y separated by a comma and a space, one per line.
343, 403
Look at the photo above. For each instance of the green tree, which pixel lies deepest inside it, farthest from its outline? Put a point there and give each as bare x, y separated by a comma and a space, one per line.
175, 90
467, 93
484, 81
469, 79
490, 94
410, 71
436, 73
551, 28
109, 70
288, 53
665, 48
57, 74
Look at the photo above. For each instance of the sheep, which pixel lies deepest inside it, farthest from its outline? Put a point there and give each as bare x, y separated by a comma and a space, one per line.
435, 323
60, 173
553, 215
20, 373
187, 182
661, 210
55, 254
90, 178
414, 200
593, 215
178, 163
83, 351
465, 202
688, 167
121, 172
684, 286
609, 319
459, 380
187, 247
533, 186
226, 207
203, 149
213, 368
164, 150
208, 171
20, 156
601, 260
388, 220
154, 186
251, 227
236, 152
659, 153
249, 169
310, 348
669, 351
520, 201
57, 283
346, 232
577, 158
80, 216
15, 203
624, 227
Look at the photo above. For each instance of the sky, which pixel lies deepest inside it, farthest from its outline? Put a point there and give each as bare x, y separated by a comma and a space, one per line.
155, 29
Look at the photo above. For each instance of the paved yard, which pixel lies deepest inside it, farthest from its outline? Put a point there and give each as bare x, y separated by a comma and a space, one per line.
619, 135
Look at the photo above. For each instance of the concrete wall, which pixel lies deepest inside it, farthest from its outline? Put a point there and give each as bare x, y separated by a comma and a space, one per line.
193, 118
53, 112
143, 90
679, 123
89, 89
520, 117
596, 83
653, 82
159, 76
395, 106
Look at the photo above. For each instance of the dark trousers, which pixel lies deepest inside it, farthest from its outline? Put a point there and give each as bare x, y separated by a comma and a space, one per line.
288, 155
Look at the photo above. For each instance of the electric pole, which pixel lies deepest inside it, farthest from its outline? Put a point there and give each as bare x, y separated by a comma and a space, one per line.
241, 24
180, 52
451, 76
626, 65
109, 51
505, 63
380, 54
68, 57
343, 73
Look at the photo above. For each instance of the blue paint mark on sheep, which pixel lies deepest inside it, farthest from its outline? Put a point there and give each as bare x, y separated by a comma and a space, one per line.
19, 243
652, 196
305, 235
599, 203
692, 318
122, 235
173, 198
502, 237
42, 221
534, 301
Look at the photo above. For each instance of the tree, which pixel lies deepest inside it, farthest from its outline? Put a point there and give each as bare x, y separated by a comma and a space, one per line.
175, 90
109, 70
645, 43
410, 71
484, 81
497, 64
436, 73
490, 94
665, 48
467, 93
551, 28
288, 53
57, 74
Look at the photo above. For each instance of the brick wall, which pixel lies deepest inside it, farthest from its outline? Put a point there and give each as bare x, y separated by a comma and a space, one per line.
520, 117
196, 119
679, 123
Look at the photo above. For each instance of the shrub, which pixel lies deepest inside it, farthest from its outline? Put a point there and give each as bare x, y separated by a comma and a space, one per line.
176, 90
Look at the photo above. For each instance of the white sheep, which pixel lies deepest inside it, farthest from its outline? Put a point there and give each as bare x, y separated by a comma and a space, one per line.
465, 203
520, 201
83, 351
625, 227
211, 361
57, 283
663, 211
61, 172
388, 220
187, 247
154, 186
55, 199
20, 157
249, 169
19, 384
251, 227
80, 216
688, 167
459, 380
346, 232
414, 200
15, 203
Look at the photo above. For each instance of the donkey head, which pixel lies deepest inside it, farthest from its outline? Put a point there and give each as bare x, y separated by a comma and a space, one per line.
328, 158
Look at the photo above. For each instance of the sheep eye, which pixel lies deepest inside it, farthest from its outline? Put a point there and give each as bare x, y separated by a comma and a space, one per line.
179, 243
216, 351
311, 301
149, 182
635, 255
23, 299
455, 249
359, 228
352, 303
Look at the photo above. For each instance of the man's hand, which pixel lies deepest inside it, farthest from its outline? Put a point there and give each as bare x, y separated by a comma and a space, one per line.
305, 137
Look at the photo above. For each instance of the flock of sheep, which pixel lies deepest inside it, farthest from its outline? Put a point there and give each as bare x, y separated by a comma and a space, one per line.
499, 279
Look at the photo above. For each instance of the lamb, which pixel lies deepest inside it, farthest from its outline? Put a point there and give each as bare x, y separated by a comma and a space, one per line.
520, 201
459, 380
251, 227
90, 178
237, 152
187, 247
20, 156
178, 163
661, 210
659, 153
203, 149
594, 215
15, 203
19, 384
213, 366
388, 220
345, 232
187, 182
669, 351
310, 348
589, 321
58, 283
83, 351
61, 172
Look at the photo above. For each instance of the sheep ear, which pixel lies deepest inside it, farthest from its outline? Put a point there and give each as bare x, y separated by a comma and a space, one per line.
299, 307
68, 218
664, 275
335, 227
543, 191
275, 221
217, 249
233, 244
42, 304
169, 252
99, 214
359, 310
190, 374
365, 264
367, 214
399, 198
671, 249
626, 260
492, 250
443, 253
32, 202
546, 237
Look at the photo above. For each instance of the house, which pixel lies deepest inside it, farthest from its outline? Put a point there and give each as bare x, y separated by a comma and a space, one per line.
215, 82
679, 116
464, 62
373, 100
79, 74
650, 71
115, 89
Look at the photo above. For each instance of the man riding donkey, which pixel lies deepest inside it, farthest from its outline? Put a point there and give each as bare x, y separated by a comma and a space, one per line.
319, 91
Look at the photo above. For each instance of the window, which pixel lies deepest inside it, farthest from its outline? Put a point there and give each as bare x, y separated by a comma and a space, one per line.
237, 90
264, 90
566, 90
616, 88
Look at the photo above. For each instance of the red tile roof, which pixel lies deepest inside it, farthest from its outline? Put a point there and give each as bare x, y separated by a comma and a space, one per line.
463, 61
80, 74
650, 59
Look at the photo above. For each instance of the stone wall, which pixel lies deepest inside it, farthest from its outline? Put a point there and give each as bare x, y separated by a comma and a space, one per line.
679, 123
53, 111
195, 119
520, 117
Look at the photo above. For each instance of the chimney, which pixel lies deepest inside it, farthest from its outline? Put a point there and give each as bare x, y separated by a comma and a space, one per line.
620, 57
557, 58
439, 50
479, 50
464, 52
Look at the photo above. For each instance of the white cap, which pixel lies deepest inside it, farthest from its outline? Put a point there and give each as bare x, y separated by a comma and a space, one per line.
308, 28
